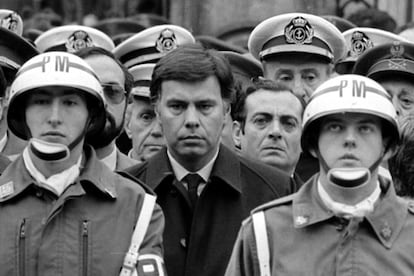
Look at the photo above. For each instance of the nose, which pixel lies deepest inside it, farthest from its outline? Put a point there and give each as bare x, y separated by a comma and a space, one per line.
54, 115
156, 130
300, 89
396, 103
275, 130
350, 138
191, 117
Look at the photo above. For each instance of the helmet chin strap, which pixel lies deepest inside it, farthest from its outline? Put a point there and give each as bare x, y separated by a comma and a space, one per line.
49, 151
348, 177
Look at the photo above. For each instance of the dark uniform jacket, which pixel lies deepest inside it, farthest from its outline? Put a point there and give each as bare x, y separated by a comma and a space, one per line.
305, 238
85, 231
202, 246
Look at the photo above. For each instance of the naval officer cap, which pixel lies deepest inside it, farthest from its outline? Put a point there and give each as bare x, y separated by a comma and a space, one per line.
149, 45
297, 33
71, 38
360, 39
390, 59
142, 75
11, 21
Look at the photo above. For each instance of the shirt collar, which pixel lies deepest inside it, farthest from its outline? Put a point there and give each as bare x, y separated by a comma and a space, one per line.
180, 172
110, 159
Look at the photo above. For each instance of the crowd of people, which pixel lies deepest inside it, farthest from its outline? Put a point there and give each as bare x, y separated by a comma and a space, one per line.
156, 152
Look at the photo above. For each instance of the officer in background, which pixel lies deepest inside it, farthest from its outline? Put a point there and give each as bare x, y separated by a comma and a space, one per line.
141, 124
299, 50
204, 188
72, 38
14, 51
66, 212
149, 45
360, 39
392, 65
346, 218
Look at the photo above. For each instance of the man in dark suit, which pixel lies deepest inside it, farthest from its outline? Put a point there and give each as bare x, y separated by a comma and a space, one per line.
191, 88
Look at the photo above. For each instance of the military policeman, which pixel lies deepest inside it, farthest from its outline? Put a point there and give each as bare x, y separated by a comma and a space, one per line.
346, 219
66, 212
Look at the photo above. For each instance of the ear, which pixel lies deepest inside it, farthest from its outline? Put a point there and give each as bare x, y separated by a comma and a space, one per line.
391, 150
237, 133
127, 127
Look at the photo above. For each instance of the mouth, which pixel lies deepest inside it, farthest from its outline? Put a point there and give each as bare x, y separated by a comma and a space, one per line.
349, 156
273, 148
53, 134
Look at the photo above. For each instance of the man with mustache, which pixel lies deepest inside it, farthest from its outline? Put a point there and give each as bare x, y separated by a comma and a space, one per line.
117, 83
346, 219
204, 188
268, 126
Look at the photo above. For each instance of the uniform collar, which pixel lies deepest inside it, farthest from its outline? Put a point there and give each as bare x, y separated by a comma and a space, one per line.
110, 159
387, 219
226, 167
15, 179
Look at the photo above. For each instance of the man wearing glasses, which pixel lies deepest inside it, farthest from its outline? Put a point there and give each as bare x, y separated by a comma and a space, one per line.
117, 83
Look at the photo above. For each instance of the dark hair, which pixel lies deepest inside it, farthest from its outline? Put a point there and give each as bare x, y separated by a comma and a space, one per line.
98, 51
401, 164
239, 112
192, 63
374, 18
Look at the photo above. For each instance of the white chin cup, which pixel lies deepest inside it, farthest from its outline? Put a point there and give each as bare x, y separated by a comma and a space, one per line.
48, 151
349, 177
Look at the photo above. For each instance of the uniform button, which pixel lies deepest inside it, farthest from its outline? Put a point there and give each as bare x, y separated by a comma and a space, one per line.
173, 192
39, 193
183, 242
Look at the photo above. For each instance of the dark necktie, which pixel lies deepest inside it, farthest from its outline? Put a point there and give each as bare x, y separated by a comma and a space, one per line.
193, 180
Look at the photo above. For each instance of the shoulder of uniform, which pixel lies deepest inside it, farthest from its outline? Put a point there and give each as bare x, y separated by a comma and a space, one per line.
134, 179
286, 200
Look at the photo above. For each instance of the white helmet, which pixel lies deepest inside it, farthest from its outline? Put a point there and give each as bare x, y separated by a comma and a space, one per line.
348, 94
55, 69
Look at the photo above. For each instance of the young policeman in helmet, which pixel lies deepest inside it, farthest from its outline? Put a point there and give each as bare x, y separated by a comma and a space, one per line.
65, 212
346, 219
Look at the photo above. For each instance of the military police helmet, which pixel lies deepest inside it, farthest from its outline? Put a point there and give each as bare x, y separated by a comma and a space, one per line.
348, 94
55, 69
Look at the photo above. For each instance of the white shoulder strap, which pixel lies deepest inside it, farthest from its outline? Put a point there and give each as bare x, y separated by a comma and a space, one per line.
262, 242
131, 258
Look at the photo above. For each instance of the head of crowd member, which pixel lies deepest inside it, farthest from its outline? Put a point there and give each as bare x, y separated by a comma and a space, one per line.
401, 163
117, 83
141, 124
297, 49
245, 68
72, 38
268, 124
360, 39
351, 126
391, 65
191, 88
373, 18
56, 101
149, 45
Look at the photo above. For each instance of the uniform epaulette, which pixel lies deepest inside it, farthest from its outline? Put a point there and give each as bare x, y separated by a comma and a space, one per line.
277, 202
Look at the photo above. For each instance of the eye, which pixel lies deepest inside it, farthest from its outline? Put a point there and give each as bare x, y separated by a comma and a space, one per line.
147, 117
310, 77
260, 121
368, 128
176, 107
284, 77
406, 102
289, 124
205, 107
333, 127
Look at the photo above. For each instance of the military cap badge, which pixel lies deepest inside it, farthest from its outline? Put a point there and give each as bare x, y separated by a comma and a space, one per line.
360, 42
298, 31
78, 40
10, 22
397, 60
166, 41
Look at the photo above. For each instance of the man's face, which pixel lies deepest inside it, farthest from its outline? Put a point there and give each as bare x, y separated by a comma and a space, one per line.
351, 140
109, 72
272, 129
56, 115
301, 75
143, 129
402, 93
192, 117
